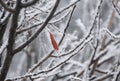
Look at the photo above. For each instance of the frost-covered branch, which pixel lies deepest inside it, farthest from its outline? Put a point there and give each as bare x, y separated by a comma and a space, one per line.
56, 14
50, 54
67, 7
54, 67
7, 7
103, 77
40, 23
11, 40
115, 7
112, 35
116, 74
39, 30
29, 3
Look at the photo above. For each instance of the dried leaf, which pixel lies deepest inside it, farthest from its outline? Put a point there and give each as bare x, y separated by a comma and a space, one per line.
54, 43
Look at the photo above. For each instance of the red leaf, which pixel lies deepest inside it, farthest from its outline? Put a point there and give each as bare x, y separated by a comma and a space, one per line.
54, 43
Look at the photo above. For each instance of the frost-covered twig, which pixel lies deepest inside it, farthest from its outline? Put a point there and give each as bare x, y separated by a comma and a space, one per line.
11, 40
3, 26
5, 18
39, 30
28, 28
29, 3
116, 74
103, 77
116, 8
60, 18
40, 23
76, 78
67, 7
8, 8
89, 33
112, 35
49, 55
57, 13
3, 46
92, 59
54, 67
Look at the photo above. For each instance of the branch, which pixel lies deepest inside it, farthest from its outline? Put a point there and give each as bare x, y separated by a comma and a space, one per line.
3, 26
49, 55
39, 30
53, 68
11, 41
7, 7
112, 35
57, 13
67, 7
89, 33
26, 4
115, 7
116, 74
103, 77
28, 28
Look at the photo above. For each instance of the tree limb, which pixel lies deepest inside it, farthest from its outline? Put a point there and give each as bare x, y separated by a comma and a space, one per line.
26, 4
7, 7
39, 30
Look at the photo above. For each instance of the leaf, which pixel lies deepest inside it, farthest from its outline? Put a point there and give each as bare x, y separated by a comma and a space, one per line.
54, 43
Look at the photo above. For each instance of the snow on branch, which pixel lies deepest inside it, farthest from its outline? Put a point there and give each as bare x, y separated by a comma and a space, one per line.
2, 48
111, 34
54, 67
8, 8
50, 54
39, 30
115, 7
26, 4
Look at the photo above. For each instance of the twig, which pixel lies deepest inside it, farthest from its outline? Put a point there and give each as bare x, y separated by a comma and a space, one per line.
67, 7
39, 30
108, 27
49, 55
116, 74
7, 7
26, 4
51, 69
112, 35
115, 7
57, 13
101, 78
89, 33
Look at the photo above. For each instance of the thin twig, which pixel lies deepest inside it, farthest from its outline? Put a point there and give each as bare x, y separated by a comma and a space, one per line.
115, 7
49, 55
39, 30
57, 13
7, 7
58, 65
26, 4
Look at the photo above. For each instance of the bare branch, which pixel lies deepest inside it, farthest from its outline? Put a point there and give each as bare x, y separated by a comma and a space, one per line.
49, 55
28, 28
11, 40
103, 77
116, 8
39, 30
112, 35
7, 7
57, 13
26, 4
67, 7
56, 66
